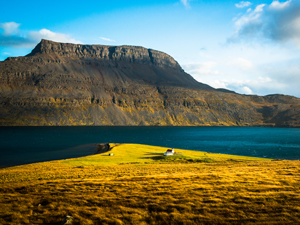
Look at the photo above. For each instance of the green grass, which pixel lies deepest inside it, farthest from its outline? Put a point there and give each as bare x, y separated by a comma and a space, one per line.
137, 153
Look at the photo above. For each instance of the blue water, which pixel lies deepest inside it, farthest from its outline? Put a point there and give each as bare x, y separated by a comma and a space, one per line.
21, 145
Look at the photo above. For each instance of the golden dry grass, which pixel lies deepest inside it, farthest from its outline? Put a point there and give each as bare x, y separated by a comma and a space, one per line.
186, 190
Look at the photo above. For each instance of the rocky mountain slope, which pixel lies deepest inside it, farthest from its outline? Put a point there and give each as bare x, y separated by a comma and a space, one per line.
72, 84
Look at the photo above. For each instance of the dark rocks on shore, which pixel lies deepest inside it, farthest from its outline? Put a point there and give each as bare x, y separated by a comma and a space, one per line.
68, 220
103, 147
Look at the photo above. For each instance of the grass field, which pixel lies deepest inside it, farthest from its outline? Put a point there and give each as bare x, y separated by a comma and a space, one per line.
138, 185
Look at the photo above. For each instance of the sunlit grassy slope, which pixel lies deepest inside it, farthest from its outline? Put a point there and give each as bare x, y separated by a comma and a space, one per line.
139, 186
136, 153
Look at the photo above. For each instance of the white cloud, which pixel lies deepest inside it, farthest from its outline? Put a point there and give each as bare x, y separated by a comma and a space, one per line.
259, 85
286, 73
243, 4
275, 83
278, 5
217, 84
278, 22
107, 39
203, 68
12, 37
260, 71
10, 28
248, 23
49, 35
247, 90
185, 3
241, 63
259, 8
6, 53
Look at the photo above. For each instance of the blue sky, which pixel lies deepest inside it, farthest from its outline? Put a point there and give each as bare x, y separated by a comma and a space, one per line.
251, 47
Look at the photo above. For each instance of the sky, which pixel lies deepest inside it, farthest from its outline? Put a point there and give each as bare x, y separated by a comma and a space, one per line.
250, 47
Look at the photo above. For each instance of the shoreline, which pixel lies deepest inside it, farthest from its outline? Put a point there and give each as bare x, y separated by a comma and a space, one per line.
88, 147
98, 147
255, 126
102, 148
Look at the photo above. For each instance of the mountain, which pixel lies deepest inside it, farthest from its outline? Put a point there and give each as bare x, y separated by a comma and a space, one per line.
73, 84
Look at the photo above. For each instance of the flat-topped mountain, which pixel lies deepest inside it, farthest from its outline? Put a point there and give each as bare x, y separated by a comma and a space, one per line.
115, 65
73, 84
132, 54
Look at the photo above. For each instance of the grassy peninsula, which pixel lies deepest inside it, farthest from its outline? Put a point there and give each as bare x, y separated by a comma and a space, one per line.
138, 185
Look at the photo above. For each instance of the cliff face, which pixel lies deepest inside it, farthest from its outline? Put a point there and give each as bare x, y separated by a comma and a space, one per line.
70, 84
131, 54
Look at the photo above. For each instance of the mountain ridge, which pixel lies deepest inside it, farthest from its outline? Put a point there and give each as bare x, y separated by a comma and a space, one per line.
127, 53
72, 84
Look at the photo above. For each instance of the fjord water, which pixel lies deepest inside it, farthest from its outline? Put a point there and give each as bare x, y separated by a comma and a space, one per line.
22, 145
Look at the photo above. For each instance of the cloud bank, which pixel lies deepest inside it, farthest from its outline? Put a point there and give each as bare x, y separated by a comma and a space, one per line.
278, 22
243, 4
203, 68
12, 36
246, 77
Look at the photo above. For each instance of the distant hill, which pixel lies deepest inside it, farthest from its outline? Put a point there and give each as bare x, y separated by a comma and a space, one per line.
72, 84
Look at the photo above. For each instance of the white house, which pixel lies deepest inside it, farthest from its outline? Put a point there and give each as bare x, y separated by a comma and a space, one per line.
169, 152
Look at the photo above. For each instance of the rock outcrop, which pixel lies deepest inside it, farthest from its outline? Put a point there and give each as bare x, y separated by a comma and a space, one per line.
71, 84
131, 54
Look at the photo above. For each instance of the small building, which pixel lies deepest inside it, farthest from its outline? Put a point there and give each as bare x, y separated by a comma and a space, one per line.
169, 152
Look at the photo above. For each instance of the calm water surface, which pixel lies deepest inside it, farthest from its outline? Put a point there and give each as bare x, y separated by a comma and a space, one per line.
21, 145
